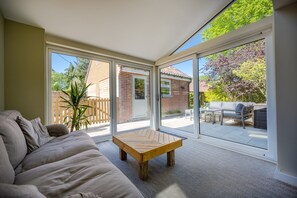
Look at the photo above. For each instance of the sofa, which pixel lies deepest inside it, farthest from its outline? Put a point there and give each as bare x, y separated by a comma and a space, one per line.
236, 110
69, 164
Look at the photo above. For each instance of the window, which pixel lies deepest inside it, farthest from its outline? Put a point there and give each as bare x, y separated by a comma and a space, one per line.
235, 16
165, 88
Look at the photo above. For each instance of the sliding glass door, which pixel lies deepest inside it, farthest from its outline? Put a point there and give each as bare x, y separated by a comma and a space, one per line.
133, 97
177, 97
69, 74
233, 99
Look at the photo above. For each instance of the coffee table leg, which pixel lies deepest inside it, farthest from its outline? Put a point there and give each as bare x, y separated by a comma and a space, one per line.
171, 158
143, 170
123, 155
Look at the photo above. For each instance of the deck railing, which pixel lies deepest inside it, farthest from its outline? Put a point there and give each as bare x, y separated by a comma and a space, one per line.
98, 113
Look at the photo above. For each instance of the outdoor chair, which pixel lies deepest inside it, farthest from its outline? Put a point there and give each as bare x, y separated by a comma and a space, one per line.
241, 113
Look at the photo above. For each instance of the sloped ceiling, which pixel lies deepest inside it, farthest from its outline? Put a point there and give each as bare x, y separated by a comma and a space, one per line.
147, 29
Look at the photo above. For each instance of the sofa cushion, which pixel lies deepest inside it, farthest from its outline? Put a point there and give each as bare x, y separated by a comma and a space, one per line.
19, 191
88, 171
57, 149
13, 139
29, 133
229, 106
11, 114
6, 170
215, 105
41, 131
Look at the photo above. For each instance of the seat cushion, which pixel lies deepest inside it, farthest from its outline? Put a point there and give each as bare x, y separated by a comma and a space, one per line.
88, 171
6, 170
57, 149
19, 191
13, 139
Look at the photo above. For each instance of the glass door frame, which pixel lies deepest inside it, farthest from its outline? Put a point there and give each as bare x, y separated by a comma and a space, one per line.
196, 99
114, 91
113, 62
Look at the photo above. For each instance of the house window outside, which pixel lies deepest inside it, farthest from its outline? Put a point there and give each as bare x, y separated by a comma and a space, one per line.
166, 88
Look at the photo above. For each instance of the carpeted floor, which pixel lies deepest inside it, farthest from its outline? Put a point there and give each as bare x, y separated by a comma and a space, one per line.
202, 170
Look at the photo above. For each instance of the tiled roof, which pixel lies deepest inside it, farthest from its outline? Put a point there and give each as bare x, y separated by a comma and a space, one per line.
172, 71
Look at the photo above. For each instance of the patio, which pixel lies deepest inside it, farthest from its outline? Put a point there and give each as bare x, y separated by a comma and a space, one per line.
231, 131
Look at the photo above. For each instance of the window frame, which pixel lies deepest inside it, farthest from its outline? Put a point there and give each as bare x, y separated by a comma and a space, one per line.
166, 86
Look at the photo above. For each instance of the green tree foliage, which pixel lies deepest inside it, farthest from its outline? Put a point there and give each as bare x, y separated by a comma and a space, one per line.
239, 14
58, 81
237, 74
75, 73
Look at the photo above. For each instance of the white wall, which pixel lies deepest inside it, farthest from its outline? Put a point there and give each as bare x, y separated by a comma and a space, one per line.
1, 62
286, 88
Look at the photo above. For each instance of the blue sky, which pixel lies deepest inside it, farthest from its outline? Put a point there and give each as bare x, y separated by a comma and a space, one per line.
60, 61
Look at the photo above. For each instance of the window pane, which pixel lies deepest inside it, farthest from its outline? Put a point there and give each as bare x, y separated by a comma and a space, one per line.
70, 70
239, 14
232, 88
175, 90
139, 88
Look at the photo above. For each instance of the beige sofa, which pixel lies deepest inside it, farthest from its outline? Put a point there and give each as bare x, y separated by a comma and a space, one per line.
66, 165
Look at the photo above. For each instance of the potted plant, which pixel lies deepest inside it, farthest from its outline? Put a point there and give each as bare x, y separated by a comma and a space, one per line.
74, 101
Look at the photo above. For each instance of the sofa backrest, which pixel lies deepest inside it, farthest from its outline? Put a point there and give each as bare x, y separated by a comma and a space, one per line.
13, 137
6, 171
215, 105
230, 106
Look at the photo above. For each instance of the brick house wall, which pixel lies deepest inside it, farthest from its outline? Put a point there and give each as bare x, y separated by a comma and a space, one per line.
179, 99
125, 100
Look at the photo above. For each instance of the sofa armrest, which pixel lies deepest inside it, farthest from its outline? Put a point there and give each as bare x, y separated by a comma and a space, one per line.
57, 130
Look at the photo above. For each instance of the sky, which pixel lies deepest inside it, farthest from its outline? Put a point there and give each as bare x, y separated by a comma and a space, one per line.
60, 62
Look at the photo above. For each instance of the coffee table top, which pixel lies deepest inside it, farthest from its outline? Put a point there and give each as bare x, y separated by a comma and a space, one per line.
146, 144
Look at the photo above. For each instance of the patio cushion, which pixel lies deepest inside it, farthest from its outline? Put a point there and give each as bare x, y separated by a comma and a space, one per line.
239, 108
228, 106
215, 105
230, 114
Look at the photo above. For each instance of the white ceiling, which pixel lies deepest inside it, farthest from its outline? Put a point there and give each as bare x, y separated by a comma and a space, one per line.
146, 29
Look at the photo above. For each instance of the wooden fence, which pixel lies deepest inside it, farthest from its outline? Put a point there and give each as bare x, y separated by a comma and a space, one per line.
98, 113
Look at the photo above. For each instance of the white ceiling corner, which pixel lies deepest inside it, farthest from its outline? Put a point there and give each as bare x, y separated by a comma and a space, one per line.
148, 29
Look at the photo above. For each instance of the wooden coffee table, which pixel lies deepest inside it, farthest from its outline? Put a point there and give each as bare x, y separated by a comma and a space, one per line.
146, 144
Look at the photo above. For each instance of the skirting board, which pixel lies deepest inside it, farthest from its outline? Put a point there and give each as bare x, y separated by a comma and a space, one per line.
289, 179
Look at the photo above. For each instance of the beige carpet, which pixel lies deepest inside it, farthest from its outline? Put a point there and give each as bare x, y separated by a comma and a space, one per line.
202, 170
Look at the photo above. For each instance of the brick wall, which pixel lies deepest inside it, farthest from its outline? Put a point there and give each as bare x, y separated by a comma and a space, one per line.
179, 99
125, 100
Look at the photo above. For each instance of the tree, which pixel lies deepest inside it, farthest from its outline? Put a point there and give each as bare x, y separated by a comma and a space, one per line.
58, 81
229, 82
238, 73
239, 14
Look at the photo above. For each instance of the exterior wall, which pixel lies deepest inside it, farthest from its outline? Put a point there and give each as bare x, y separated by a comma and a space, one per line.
179, 99
98, 75
24, 60
125, 99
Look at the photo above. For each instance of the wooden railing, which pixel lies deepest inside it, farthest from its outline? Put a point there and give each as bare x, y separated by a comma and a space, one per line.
98, 113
